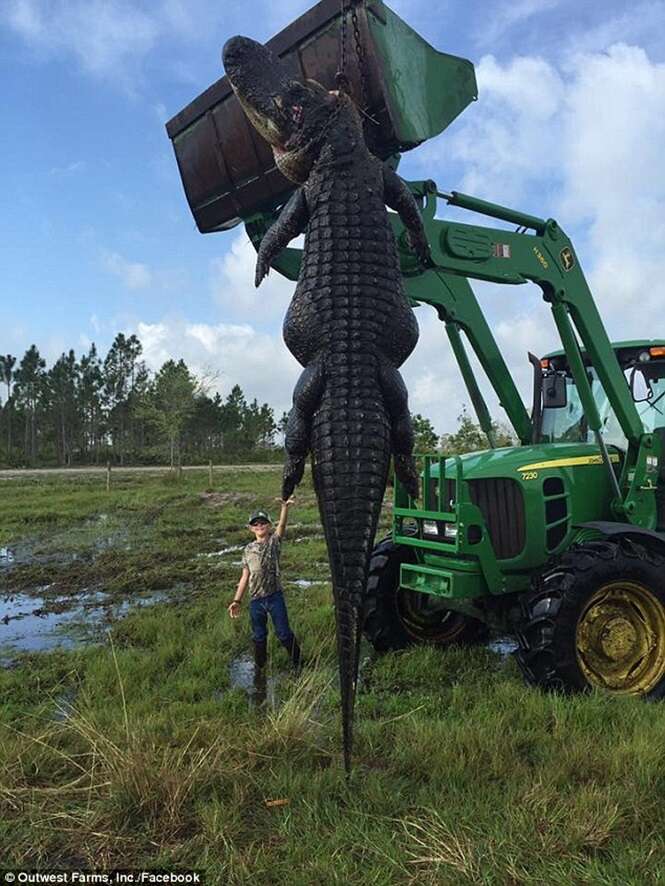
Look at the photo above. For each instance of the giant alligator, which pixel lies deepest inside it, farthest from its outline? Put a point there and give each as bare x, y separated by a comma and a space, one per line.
349, 323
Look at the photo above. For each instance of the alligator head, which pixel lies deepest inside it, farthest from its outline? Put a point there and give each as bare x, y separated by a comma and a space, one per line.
292, 115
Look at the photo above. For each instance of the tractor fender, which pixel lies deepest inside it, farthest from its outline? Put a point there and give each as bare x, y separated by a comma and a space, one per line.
654, 540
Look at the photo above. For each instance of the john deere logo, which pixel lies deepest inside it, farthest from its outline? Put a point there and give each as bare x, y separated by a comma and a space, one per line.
567, 259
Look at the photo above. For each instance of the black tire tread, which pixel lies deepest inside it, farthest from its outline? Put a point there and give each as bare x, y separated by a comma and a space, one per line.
382, 624
550, 611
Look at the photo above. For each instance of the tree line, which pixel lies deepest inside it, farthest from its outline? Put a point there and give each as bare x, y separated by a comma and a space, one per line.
90, 410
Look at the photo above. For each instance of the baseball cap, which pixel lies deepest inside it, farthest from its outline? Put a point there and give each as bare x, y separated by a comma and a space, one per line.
259, 515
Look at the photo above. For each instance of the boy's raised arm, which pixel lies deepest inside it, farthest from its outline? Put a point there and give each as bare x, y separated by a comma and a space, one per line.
283, 516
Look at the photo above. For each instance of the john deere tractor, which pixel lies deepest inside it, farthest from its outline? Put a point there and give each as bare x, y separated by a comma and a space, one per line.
537, 539
560, 539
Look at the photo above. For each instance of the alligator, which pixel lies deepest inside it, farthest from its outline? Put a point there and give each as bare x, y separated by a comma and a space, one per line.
349, 323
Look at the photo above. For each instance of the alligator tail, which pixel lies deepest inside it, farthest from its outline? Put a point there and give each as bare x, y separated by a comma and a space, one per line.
351, 447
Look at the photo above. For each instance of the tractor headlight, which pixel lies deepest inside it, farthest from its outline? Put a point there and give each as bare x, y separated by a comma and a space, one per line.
430, 527
450, 532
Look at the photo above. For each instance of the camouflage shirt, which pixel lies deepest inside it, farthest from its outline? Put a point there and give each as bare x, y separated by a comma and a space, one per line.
262, 560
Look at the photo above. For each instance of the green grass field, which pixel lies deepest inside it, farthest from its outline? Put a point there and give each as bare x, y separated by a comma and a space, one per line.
139, 751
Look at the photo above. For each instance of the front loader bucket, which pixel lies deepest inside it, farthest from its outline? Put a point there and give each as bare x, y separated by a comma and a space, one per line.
414, 92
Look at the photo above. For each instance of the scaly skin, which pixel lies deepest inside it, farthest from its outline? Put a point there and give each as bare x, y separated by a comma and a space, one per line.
349, 323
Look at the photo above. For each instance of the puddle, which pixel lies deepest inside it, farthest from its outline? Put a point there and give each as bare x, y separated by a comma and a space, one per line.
260, 688
82, 542
503, 645
32, 620
7, 557
230, 550
306, 582
19, 554
31, 623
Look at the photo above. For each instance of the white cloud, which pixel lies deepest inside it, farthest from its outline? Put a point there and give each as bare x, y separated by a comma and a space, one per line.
614, 140
134, 275
229, 353
68, 169
639, 23
232, 285
498, 22
510, 136
260, 363
584, 144
112, 38
101, 35
520, 321
85, 342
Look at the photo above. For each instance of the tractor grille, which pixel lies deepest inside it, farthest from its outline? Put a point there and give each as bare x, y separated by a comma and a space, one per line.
449, 495
502, 505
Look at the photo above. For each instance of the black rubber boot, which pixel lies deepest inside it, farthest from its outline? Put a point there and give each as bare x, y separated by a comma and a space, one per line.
293, 648
260, 654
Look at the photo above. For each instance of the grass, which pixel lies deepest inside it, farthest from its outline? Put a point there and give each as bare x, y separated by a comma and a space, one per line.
139, 752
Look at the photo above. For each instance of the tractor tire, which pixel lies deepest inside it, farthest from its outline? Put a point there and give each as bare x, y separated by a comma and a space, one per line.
396, 618
596, 620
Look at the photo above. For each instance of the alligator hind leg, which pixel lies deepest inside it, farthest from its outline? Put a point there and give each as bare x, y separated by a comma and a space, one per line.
396, 400
306, 397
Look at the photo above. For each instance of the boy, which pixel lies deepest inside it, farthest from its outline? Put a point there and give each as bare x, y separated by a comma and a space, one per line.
260, 571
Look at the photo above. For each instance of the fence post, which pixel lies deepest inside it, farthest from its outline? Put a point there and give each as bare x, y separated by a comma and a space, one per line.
108, 476
210, 473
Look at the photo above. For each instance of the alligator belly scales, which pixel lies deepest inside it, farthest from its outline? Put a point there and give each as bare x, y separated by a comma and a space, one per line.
349, 323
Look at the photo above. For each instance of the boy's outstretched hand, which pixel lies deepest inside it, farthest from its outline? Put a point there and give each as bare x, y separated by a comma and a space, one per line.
234, 609
284, 515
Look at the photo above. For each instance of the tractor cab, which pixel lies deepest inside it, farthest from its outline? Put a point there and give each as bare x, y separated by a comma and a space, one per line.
563, 419
643, 364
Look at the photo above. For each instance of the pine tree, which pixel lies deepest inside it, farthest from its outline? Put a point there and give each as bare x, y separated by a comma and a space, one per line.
7, 364
29, 390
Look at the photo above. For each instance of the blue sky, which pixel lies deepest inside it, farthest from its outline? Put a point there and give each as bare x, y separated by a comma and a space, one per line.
96, 236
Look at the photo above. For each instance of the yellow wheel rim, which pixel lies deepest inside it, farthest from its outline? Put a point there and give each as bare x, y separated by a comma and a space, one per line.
620, 639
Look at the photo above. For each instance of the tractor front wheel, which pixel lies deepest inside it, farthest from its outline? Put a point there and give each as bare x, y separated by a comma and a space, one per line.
596, 620
396, 617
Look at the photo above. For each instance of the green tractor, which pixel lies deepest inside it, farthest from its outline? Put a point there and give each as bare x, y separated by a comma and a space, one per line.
528, 539
560, 539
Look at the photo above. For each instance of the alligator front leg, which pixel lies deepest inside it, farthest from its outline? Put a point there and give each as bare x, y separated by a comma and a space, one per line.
291, 222
400, 198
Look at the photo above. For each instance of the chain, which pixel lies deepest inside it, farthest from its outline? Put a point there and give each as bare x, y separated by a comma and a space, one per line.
360, 53
341, 77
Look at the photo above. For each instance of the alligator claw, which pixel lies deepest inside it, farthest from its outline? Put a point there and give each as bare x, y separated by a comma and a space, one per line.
262, 270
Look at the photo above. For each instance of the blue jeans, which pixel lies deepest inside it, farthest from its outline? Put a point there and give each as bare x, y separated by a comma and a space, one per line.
276, 606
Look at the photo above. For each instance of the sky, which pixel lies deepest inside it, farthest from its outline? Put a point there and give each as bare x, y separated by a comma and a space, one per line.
96, 236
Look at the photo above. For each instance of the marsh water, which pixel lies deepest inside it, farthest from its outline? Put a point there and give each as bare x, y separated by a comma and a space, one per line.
43, 616
48, 614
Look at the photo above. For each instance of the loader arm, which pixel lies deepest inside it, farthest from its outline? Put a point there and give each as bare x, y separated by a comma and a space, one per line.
539, 251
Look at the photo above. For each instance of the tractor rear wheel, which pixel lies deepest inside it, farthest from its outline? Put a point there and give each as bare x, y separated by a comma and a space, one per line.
396, 617
596, 620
